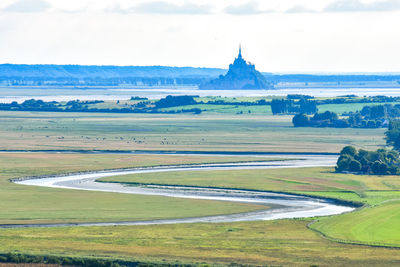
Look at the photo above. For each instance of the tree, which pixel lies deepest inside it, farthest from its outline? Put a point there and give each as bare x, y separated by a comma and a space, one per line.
174, 101
300, 120
327, 115
392, 135
307, 106
377, 112
379, 167
343, 163
381, 161
349, 150
279, 106
355, 166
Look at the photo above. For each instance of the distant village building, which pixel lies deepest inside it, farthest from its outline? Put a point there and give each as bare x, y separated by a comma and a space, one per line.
241, 75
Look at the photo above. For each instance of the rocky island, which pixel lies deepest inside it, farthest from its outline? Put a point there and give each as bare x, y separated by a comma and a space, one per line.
241, 75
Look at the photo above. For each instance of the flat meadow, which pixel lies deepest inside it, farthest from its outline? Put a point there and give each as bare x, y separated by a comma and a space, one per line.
367, 236
174, 132
29, 204
277, 242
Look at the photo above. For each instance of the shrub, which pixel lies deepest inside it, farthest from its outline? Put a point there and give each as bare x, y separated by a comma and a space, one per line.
300, 120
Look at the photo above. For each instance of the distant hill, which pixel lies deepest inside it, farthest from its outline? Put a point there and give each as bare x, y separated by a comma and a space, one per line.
83, 71
15, 74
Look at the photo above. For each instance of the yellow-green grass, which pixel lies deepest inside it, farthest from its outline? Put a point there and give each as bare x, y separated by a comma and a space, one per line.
277, 243
366, 188
317, 181
286, 180
212, 132
282, 242
29, 204
225, 109
372, 225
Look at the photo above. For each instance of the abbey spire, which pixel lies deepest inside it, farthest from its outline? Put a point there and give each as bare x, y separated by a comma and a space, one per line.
240, 51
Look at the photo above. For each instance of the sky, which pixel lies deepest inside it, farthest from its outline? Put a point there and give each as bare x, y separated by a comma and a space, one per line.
295, 36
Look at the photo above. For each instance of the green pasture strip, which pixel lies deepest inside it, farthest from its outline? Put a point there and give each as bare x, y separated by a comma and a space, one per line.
30, 204
376, 225
348, 107
275, 243
286, 180
238, 99
174, 132
224, 109
316, 181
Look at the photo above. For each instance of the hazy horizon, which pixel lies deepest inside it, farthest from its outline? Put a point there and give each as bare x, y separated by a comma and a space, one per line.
226, 69
287, 36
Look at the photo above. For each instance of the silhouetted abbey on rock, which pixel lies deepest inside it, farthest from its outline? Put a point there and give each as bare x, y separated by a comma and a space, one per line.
241, 75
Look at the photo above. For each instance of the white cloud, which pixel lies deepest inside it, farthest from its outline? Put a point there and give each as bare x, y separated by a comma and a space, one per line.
161, 7
299, 9
28, 6
358, 6
249, 8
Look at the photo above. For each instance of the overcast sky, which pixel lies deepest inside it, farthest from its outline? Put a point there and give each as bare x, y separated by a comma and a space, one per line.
276, 35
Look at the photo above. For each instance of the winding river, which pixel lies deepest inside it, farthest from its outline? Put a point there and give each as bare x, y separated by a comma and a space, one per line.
279, 205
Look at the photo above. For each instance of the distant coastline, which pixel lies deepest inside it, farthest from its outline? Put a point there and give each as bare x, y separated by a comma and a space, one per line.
148, 77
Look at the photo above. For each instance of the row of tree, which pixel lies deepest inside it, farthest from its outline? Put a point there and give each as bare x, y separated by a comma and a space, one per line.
380, 162
375, 116
175, 101
144, 106
325, 119
297, 103
291, 106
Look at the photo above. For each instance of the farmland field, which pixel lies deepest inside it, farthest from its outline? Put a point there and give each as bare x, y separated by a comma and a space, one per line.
258, 243
168, 132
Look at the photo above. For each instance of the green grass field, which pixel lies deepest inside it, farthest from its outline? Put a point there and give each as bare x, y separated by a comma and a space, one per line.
377, 225
29, 204
225, 109
340, 108
264, 243
372, 225
266, 110
280, 242
217, 132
